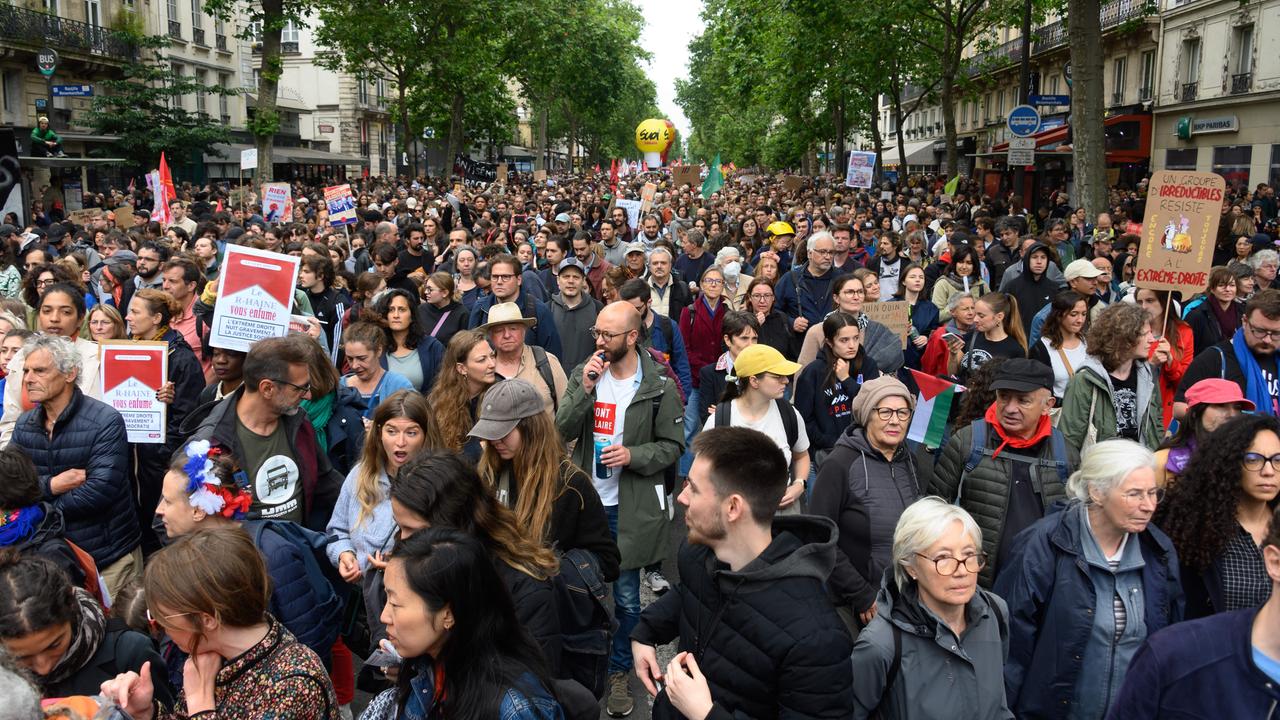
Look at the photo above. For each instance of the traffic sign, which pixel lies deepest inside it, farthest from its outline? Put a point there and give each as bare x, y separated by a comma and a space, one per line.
1023, 121
47, 61
1022, 151
1049, 100
73, 91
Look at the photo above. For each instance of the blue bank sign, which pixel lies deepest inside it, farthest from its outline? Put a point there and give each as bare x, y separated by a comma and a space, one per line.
1024, 121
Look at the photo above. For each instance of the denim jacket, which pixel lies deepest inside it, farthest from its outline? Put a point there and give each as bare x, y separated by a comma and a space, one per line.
526, 700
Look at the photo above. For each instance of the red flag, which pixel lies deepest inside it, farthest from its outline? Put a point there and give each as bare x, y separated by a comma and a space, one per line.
219, 207
613, 174
165, 178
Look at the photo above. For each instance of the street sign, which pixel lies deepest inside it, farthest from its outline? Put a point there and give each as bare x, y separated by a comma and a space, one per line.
73, 91
47, 61
1066, 72
1023, 121
1022, 151
1049, 100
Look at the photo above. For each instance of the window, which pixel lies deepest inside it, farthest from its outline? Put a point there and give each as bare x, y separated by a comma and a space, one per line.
11, 94
362, 92
1232, 163
289, 33
255, 78
202, 97
172, 6
1191, 60
1119, 69
1244, 49
93, 13
197, 21
382, 90
1181, 158
255, 31
987, 108
51, 6
1275, 165
973, 113
1148, 80
1053, 85
176, 97
224, 102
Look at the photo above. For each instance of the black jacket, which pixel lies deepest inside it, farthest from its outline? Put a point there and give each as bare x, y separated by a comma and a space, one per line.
1031, 293
46, 540
578, 520
121, 650
776, 332
429, 316
536, 609
765, 636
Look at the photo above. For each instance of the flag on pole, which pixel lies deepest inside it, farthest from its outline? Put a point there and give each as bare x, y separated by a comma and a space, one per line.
613, 175
163, 192
933, 405
952, 184
714, 181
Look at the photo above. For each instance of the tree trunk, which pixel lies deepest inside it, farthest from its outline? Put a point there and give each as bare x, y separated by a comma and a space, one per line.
950, 66
876, 138
456, 139
573, 142
840, 129
1087, 105
266, 117
540, 160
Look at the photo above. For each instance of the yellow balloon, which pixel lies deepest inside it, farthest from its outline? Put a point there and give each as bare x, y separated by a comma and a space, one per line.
653, 136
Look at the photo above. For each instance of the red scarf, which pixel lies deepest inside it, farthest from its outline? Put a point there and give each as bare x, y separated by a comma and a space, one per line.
1043, 430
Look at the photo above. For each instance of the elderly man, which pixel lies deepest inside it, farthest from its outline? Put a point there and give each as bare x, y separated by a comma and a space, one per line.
506, 283
506, 329
81, 453
1008, 472
804, 293
670, 294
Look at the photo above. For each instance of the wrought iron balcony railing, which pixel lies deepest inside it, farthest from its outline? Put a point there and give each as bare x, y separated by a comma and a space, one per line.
38, 29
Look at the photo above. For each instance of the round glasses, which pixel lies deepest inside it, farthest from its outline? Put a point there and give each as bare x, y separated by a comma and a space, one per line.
947, 565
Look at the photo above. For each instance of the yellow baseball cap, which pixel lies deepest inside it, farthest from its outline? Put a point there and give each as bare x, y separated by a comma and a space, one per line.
780, 228
759, 358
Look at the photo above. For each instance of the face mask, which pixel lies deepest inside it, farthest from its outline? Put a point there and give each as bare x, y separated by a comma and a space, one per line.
732, 270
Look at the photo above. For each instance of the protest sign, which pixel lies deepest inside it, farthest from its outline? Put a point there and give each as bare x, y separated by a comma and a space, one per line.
792, 183
341, 204
124, 217
646, 197
132, 372
502, 172
474, 171
249, 159
895, 315
862, 167
539, 176
1179, 231
685, 175
277, 202
84, 217
256, 292
632, 207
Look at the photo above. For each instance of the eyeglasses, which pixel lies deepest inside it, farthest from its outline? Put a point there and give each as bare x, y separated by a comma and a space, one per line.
304, 389
152, 619
597, 333
496, 277
1254, 461
816, 251
853, 292
947, 565
761, 296
1156, 495
713, 282
1262, 334
885, 413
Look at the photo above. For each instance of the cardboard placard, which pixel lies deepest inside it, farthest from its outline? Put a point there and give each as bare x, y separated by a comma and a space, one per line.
238, 197
277, 202
539, 176
124, 217
895, 315
254, 297
84, 217
686, 175
1179, 231
646, 197
793, 183
131, 374
502, 173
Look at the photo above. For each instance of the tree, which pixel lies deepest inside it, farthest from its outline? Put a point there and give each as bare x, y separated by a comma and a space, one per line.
1084, 33
143, 108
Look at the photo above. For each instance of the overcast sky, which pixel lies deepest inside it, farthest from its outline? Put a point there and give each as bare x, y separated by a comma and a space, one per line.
669, 26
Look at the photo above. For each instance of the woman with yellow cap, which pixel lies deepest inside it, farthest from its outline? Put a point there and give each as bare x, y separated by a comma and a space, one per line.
754, 399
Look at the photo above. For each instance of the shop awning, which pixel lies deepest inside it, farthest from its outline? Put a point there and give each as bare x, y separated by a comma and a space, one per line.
918, 153
282, 155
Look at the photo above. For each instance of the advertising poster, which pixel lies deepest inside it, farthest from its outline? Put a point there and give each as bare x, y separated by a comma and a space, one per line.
255, 297
342, 205
132, 372
1179, 231
277, 202
862, 168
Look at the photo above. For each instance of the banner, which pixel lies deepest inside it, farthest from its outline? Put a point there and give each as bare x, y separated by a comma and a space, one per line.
254, 297
132, 372
861, 170
277, 202
895, 315
1179, 231
474, 170
341, 204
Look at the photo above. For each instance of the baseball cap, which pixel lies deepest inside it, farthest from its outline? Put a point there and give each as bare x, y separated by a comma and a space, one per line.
1081, 269
572, 262
867, 225
756, 359
779, 227
564, 217
633, 248
1216, 391
504, 406
1023, 375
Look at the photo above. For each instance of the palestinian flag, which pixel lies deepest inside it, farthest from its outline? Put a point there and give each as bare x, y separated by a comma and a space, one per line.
933, 406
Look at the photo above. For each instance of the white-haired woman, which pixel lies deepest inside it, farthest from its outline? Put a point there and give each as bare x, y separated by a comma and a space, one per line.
1086, 585
937, 645
729, 260
1265, 264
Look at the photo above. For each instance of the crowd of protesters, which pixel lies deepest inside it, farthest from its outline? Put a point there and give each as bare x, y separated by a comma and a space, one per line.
466, 469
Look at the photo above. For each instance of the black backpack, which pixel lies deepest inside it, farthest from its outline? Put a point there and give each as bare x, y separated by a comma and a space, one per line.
724, 419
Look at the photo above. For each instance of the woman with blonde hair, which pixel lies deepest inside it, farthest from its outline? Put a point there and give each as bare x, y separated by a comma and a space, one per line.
997, 333
526, 465
105, 324
468, 369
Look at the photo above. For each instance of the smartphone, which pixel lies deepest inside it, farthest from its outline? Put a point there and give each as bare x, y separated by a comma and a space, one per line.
945, 336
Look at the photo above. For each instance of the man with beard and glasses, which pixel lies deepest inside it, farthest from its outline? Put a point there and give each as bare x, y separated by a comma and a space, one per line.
629, 424
274, 444
151, 258
758, 636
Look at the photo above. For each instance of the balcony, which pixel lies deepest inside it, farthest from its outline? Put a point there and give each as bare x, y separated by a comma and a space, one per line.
1054, 35
220, 42
175, 29
197, 37
289, 47
1189, 91
37, 29
1241, 83
1145, 94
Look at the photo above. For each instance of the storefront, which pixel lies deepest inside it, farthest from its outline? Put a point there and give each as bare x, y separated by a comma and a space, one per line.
1240, 142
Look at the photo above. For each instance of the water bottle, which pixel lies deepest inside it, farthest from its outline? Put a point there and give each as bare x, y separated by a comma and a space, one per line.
602, 471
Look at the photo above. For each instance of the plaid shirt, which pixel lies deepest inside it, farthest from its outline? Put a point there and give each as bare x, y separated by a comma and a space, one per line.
1245, 583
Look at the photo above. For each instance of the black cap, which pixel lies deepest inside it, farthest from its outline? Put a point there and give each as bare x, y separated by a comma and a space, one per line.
1023, 375
867, 225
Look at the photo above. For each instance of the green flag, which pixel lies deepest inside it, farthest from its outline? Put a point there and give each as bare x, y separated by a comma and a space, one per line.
950, 187
714, 181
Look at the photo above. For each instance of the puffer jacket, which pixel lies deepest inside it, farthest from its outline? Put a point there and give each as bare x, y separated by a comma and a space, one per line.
939, 675
765, 636
1052, 603
864, 493
1091, 386
89, 435
293, 601
984, 492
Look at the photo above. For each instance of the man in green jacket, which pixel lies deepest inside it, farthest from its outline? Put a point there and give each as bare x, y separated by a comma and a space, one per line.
627, 421
44, 141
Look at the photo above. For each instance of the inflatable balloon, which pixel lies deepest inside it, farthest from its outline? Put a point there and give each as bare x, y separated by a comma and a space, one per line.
653, 137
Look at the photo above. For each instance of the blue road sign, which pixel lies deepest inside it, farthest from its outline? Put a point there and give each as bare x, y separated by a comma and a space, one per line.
73, 91
1049, 100
1023, 121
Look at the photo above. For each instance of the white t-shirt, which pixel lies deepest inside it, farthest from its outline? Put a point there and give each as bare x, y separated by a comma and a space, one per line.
771, 425
609, 416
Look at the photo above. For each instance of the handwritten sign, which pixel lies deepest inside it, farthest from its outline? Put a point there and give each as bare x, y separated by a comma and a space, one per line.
895, 315
686, 175
124, 217
84, 217
1179, 231
539, 176
255, 294
632, 208
646, 197
793, 183
132, 372
502, 173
